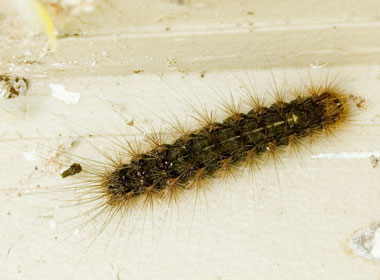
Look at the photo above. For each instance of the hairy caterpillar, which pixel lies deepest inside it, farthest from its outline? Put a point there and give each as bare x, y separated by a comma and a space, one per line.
169, 168
89, 175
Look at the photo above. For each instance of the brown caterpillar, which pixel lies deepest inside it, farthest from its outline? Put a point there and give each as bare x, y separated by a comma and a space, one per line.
167, 169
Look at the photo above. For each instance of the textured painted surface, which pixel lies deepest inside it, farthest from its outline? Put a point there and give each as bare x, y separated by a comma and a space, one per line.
295, 222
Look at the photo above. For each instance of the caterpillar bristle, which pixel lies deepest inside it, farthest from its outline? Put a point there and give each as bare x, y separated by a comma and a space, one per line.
205, 118
230, 107
155, 139
296, 146
255, 102
178, 128
251, 161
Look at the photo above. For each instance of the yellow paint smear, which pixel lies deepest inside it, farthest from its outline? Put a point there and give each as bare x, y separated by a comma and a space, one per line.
47, 22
